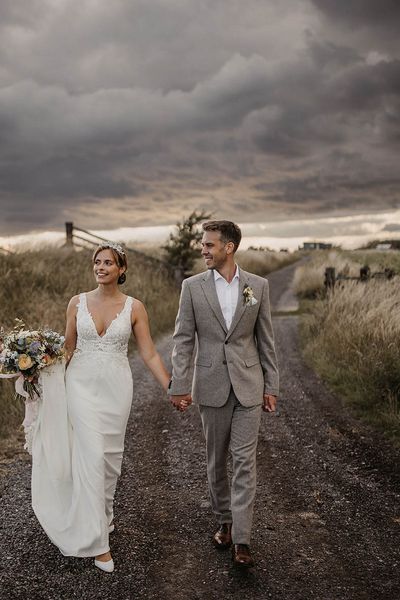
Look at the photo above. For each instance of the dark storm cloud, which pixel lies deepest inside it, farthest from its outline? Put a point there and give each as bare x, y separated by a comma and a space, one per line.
337, 189
65, 177
343, 94
362, 12
391, 227
370, 25
158, 108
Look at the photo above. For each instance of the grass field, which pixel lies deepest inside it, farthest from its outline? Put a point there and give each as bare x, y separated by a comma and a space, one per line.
351, 336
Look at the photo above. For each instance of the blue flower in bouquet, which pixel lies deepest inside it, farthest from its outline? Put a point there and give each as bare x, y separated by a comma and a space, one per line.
9, 360
34, 347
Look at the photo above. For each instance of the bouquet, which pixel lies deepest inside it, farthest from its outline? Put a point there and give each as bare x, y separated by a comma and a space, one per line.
24, 353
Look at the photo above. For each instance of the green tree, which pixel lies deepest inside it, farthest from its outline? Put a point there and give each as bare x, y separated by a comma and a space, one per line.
182, 247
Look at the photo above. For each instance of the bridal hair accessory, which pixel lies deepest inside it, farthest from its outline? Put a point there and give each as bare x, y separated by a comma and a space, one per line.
248, 296
112, 245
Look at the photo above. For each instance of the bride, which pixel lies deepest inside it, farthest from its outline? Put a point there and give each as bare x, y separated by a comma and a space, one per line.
77, 513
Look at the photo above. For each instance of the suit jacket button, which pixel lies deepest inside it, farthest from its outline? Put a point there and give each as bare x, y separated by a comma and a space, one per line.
226, 342
224, 362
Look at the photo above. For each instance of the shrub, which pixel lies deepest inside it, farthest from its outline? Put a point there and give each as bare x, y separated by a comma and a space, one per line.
183, 246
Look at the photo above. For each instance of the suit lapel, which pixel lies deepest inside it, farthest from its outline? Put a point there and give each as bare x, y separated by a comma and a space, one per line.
240, 307
208, 285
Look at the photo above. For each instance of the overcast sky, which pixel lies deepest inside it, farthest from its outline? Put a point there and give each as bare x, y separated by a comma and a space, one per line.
126, 113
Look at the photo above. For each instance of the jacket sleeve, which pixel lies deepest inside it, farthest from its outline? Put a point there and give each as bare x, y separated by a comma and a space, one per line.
266, 345
184, 340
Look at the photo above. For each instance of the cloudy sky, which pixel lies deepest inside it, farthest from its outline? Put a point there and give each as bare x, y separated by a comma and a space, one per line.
133, 112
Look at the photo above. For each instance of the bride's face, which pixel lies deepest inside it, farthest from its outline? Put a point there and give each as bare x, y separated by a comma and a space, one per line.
105, 268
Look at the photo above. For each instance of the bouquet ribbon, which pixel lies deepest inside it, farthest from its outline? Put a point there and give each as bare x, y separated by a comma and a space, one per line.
19, 384
30, 405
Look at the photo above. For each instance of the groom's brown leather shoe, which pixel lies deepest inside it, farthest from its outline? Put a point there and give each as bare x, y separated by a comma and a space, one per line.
242, 558
223, 538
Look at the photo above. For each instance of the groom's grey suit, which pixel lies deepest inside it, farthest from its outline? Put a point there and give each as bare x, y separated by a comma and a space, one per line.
234, 368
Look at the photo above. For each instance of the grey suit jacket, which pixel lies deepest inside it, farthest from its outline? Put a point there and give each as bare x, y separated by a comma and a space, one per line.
243, 357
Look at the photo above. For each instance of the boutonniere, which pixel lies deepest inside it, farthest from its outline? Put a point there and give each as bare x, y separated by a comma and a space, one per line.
248, 296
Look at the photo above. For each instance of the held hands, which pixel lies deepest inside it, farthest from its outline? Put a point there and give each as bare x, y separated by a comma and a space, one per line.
269, 403
181, 402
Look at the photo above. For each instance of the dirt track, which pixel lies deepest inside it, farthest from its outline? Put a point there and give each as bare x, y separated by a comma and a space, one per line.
327, 519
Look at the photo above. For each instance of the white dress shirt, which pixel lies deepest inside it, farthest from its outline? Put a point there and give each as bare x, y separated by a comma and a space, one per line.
228, 294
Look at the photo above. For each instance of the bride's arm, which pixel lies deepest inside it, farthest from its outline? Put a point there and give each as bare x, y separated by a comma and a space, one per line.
147, 350
70, 329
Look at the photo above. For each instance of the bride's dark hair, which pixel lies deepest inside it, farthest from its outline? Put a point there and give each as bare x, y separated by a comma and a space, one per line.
119, 255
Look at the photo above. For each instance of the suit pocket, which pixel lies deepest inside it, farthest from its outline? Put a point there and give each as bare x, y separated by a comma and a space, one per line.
252, 360
202, 361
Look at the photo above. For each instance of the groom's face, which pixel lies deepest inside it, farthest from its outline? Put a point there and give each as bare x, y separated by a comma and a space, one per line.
213, 250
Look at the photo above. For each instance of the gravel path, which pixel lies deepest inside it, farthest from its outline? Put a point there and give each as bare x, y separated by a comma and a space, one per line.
327, 517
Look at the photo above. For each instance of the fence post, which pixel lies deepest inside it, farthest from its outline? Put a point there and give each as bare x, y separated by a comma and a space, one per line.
330, 277
69, 228
389, 273
365, 273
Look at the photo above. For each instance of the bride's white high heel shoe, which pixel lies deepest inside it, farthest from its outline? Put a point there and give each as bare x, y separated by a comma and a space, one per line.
107, 566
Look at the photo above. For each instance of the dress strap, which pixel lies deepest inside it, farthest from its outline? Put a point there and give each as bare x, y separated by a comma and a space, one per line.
82, 301
128, 305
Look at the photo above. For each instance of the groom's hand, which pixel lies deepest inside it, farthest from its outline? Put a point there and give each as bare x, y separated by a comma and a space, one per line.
181, 402
269, 403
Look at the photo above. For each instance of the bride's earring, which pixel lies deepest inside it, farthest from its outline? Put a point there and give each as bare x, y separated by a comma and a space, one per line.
122, 278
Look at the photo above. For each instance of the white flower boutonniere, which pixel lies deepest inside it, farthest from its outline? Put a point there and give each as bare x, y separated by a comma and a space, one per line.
248, 296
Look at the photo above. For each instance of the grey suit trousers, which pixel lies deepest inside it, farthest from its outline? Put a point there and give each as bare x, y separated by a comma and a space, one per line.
232, 427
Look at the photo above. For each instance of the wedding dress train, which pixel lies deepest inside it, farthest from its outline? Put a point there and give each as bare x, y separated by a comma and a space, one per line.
79, 436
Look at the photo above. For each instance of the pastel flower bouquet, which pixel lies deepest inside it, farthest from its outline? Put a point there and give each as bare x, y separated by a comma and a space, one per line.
24, 353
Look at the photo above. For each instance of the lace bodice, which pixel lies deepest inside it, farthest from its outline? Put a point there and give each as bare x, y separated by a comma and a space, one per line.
116, 338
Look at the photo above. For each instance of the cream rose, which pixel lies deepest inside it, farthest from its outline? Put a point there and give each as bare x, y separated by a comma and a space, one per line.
24, 362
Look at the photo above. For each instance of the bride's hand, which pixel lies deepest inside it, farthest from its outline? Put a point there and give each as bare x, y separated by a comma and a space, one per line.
181, 402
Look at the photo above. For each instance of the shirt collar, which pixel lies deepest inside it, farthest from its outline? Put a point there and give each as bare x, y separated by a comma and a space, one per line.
218, 275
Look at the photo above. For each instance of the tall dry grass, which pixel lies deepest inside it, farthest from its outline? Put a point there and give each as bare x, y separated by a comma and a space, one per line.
262, 262
352, 338
36, 287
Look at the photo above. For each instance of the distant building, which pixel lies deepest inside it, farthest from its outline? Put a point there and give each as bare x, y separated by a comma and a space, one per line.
316, 246
384, 246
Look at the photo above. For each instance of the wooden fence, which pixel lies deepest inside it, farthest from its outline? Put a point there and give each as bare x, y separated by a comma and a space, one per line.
365, 275
76, 236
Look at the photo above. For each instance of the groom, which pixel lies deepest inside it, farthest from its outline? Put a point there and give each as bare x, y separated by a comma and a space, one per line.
235, 377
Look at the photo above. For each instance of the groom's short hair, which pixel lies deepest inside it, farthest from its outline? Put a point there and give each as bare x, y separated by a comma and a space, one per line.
229, 231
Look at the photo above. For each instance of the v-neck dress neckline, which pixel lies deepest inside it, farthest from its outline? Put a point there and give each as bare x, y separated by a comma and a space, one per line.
111, 322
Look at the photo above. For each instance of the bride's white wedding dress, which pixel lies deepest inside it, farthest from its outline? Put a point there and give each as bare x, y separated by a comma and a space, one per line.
79, 436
